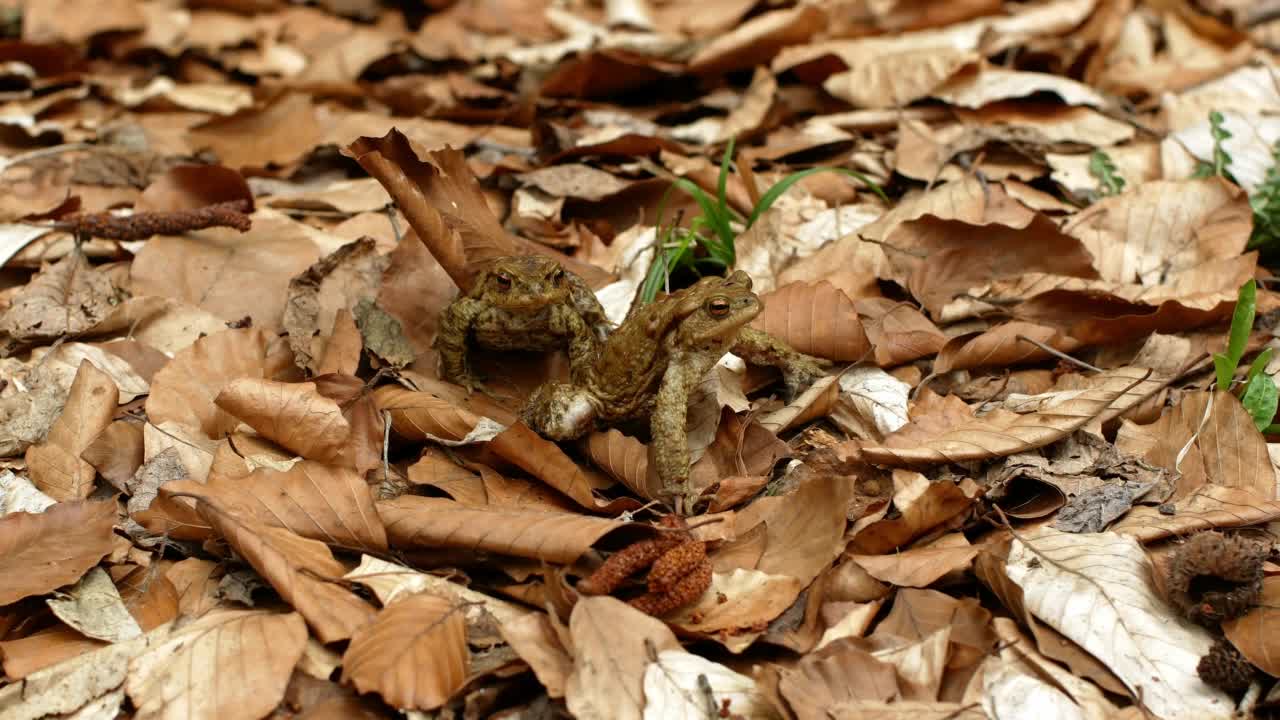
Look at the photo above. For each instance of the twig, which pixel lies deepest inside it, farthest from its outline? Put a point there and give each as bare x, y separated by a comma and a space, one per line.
6, 163
1059, 354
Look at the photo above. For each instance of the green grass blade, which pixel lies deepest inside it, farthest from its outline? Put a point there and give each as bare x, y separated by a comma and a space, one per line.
1259, 364
1242, 321
718, 221
722, 183
772, 194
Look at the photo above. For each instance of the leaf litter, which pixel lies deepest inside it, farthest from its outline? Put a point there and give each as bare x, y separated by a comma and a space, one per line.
1031, 240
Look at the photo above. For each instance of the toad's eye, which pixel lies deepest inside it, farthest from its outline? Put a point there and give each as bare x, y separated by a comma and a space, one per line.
503, 281
718, 307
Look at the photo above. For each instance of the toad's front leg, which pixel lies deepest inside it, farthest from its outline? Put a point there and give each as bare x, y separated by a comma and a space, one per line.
583, 345
667, 425
798, 370
452, 341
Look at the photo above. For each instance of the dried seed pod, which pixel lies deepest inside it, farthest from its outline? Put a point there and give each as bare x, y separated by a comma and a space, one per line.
625, 563
1225, 668
676, 563
1215, 577
686, 591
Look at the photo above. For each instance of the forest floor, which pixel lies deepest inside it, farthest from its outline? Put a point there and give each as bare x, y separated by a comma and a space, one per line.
1027, 242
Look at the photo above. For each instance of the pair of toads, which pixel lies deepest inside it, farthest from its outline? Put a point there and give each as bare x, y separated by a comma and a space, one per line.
645, 368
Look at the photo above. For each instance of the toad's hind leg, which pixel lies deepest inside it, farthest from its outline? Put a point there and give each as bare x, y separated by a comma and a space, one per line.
798, 370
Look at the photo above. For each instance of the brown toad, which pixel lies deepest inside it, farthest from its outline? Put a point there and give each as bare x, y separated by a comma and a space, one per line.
523, 302
649, 365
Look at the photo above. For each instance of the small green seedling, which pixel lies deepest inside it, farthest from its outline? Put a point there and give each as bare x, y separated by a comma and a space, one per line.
1261, 395
716, 229
1221, 159
1109, 180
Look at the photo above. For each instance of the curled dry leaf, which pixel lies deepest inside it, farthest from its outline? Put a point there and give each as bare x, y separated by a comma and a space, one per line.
444, 205
422, 416
817, 319
898, 331
294, 415
419, 522
225, 664
738, 607
414, 653
55, 465
835, 676
40, 552
1094, 589
1114, 391
805, 529
1210, 506
302, 571
336, 282
921, 505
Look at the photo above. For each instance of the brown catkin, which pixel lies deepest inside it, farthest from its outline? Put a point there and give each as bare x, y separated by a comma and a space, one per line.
676, 563
625, 563
686, 591
142, 225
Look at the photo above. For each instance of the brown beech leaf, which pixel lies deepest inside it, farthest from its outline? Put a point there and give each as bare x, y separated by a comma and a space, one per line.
302, 571
836, 675
959, 256
414, 653
817, 319
1114, 391
196, 585
280, 132
805, 529
194, 267
545, 461
1163, 226
423, 416
293, 415
40, 552
921, 506
225, 664
611, 645
331, 504
625, 459
1001, 346
757, 40
443, 203
420, 522
898, 331
184, 391
919, 567
55, 464
1253, 633
116, 453
187, 187
1211, 438
65, 298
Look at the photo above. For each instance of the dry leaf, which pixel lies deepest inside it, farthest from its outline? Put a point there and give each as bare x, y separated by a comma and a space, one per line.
55, 465
225, 664
291, 414
53, 548
414, 653
608, 662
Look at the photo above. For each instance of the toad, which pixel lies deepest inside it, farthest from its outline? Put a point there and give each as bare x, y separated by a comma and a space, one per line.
649, 365
524, 302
